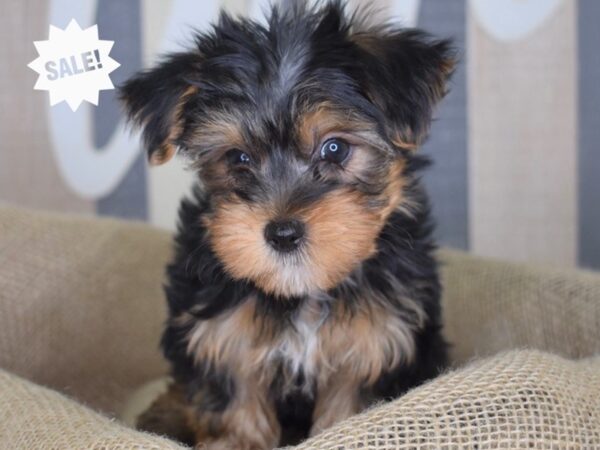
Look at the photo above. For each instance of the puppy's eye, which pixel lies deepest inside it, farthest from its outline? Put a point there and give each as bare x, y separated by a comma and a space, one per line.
236, 157
335, 150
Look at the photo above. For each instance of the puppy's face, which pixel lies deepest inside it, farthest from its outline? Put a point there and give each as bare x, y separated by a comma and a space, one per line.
301, 132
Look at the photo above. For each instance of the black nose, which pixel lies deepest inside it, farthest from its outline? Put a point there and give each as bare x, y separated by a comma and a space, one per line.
284, 235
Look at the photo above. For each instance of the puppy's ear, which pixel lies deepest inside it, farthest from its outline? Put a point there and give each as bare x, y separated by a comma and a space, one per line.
407, 73
155, 100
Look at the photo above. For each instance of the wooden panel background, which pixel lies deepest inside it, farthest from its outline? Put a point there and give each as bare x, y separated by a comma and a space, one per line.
514, 143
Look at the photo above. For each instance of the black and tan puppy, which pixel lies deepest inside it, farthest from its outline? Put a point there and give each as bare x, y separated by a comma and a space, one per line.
303, 286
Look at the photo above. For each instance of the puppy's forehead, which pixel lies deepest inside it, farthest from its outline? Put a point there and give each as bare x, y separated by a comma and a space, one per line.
279, 85
286, 71
276, 89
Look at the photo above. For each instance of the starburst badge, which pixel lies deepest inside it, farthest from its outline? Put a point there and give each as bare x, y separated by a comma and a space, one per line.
73, 65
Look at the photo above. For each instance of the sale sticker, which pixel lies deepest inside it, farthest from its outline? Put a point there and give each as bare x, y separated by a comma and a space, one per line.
74, 65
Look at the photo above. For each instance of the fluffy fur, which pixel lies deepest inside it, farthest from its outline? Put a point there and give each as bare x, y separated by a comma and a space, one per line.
268, 346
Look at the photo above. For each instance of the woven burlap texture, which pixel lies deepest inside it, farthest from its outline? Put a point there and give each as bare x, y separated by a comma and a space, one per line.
81, 308
491, 306
81, 303
33, 417
516, 400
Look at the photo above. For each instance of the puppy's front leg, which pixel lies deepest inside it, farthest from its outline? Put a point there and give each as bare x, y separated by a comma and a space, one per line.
248, 423
170, 415
337, 400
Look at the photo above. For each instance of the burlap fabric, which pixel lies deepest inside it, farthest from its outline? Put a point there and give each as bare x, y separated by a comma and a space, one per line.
490, 306
516, 400
34, 417
81, 303
81, 308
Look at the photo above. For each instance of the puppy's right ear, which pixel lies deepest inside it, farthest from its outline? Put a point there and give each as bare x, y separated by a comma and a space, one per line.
155, 100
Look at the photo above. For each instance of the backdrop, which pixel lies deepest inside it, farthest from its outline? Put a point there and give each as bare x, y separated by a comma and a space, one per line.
515, 144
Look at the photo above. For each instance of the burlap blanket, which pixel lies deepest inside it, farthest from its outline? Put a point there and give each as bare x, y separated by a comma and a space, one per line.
81, 309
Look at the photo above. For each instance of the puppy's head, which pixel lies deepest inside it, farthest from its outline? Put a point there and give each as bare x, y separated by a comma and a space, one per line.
302, 132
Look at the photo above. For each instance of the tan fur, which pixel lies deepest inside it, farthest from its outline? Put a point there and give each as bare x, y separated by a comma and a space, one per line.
221, 133
325, 119
239, 340
401, 140
364, 344
170, 414
249, 423
354, 351
236, 234
315, 123
168, 148
369, 42
341, 234
338, 400
395, 186
361, 345
359, 163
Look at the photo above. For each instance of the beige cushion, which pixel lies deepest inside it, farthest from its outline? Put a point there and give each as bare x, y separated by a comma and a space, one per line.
81, 308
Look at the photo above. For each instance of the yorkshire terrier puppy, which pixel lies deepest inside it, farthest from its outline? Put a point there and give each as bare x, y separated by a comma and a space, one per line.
303, 287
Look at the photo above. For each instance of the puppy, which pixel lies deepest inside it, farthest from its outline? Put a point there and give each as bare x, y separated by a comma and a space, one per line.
303, 287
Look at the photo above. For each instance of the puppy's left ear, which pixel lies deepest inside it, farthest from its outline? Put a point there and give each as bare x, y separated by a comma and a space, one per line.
407, 72
155, 101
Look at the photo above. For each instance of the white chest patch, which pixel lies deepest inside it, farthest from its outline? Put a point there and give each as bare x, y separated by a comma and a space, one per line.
298, 346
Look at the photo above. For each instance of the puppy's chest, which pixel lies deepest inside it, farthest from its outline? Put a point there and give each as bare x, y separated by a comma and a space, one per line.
317, 342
